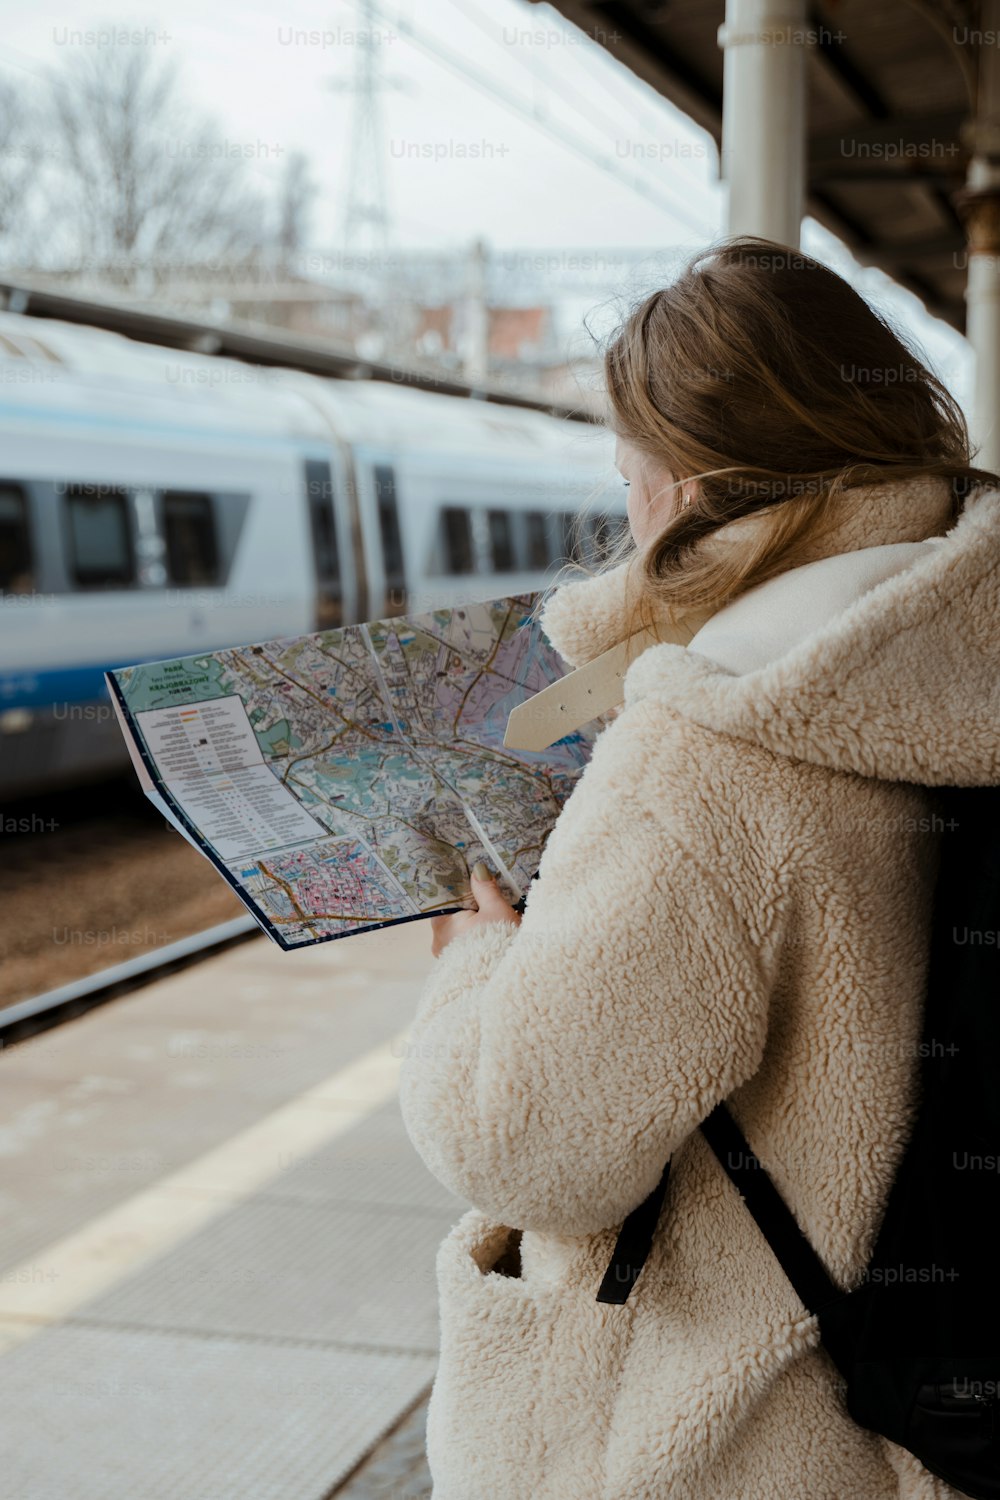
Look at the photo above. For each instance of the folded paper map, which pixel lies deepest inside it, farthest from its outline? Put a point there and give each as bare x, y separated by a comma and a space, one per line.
350, 779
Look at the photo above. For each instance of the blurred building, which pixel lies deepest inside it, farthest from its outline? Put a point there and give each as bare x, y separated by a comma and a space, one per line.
457, 313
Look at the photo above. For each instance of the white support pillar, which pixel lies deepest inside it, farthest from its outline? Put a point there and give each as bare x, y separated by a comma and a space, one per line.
764, 116
982, 295
979, 205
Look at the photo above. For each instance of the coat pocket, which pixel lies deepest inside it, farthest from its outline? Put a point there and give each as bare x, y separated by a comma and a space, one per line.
497, 1251
526, 1375
481, 1287
481, 1436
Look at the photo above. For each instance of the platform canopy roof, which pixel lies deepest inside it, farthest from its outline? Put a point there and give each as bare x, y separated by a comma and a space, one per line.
890, 85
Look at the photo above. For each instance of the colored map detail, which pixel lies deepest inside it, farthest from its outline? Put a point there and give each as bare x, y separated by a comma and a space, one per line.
328, 882
351, 778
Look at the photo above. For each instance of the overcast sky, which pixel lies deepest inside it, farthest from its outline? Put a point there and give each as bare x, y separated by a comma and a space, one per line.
497, 120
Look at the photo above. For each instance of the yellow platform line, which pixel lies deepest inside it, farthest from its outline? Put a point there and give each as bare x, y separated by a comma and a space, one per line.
56, 1281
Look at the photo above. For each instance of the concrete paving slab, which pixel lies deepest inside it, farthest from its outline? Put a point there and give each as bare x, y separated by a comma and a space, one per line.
94, 1111
253, 1303
101, 1414
310, 1271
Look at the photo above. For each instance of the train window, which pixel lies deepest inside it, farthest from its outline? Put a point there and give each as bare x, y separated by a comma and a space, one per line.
570, 536
605, 533
501, 540
457, 528
326, 553
601, 534
99, 536
388, 516
319, 490
618, 529
189, 532
536, 543
16, 575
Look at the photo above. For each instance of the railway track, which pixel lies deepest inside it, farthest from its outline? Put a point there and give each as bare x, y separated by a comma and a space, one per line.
24, 1018
97, 896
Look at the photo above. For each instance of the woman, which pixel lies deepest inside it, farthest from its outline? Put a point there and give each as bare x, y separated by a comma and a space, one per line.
732, 905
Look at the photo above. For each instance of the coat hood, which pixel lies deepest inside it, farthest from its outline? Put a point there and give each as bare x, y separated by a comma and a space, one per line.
880, 654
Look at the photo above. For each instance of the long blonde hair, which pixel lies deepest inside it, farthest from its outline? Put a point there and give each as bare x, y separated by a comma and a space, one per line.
766, 378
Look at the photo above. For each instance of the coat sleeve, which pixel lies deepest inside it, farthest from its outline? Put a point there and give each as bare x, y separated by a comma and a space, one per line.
553, 1067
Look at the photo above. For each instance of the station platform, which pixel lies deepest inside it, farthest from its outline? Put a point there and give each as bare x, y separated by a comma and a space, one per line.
217, 1256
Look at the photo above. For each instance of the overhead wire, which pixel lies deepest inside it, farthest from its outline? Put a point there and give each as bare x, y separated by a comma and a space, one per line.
586, 150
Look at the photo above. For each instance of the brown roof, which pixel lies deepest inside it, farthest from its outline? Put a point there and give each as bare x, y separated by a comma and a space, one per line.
888, 91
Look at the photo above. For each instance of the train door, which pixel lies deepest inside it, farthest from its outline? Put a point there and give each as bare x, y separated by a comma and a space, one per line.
327, 549
386, 531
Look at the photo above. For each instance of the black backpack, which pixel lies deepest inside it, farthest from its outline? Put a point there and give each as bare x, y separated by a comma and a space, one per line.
918, 1340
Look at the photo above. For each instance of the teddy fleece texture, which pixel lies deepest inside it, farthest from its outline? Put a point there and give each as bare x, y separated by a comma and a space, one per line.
733, 904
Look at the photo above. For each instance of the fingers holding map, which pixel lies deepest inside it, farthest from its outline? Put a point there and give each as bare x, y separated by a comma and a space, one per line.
350, 779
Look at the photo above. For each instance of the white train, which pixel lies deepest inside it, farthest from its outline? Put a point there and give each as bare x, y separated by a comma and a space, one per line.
155, 503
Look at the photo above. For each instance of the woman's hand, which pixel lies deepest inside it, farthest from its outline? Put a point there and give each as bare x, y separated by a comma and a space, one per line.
493, 907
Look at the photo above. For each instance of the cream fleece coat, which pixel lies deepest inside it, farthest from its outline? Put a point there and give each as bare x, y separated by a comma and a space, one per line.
733, 905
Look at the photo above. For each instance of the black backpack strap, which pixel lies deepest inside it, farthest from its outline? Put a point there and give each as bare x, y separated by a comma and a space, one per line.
774, 1218
771, 1213
633, 1245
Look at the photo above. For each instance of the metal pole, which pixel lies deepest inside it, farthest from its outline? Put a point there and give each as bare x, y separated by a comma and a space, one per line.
982, 294
979, 205
763, 116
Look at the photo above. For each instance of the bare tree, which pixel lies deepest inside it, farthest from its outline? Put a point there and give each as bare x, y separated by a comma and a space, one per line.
20, 158
145, 184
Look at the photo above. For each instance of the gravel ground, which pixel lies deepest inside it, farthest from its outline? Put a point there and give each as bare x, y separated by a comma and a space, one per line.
397, 1468
92, 877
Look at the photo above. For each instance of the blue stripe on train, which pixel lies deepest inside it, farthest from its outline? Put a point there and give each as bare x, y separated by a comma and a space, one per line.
53, 688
